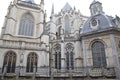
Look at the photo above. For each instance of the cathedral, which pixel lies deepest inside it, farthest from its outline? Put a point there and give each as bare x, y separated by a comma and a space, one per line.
70, 46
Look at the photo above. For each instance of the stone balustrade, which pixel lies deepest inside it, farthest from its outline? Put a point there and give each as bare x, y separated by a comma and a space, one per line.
76, 72
21, 45
33, 5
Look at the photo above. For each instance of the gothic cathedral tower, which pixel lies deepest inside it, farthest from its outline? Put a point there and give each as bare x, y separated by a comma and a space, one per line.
64, 37
24, 19
20, 43
70, 46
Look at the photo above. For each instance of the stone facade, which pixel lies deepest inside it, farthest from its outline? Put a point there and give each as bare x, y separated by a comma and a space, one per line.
69, 46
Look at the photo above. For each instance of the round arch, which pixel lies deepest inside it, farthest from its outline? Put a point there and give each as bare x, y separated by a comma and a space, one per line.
98, 54
9, 51
32, 53
105, 45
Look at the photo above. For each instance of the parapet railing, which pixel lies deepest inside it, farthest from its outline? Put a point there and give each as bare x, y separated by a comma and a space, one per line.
63, 72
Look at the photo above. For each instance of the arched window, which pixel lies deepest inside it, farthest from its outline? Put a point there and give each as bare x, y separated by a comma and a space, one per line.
9, 62
67, 25
98, 53
58, 33
26, 26
58, 57
69, 56
32, 62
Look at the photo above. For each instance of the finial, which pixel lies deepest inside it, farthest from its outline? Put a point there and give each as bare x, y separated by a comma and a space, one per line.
11, 3
74, 8
42, 2
45, 16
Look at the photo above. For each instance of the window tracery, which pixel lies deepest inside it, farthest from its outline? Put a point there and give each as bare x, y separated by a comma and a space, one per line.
98, 53
10, 62
26, 26
58, 57
67, 25
32, 62
69, 56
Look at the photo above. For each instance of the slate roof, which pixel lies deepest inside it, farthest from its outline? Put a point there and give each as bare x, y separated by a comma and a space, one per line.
30, 1
67, 7
95, 2
105, 22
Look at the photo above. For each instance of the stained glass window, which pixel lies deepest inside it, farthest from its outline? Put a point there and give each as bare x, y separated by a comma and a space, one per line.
58, 57
67, 25
98, 53
10, 62
69, 56
32, 62
26, 26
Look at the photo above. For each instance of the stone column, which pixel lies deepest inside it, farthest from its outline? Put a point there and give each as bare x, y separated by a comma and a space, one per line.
34, 72
84, 58
17, 72
115, 56
4, 71
62, 55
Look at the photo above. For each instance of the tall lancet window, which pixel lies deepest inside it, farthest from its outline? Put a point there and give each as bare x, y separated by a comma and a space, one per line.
67, 25
98, 53
58, 56
32, 62
69, 56
9, 63
26, 26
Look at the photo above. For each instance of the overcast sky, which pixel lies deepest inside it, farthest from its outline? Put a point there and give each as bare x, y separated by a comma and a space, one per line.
110, 7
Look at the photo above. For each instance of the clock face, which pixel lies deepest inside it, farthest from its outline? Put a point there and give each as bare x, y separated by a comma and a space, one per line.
94, 23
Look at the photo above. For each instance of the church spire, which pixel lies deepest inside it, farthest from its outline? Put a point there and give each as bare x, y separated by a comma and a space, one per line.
52, 12
96, 8
42, 4
67, 7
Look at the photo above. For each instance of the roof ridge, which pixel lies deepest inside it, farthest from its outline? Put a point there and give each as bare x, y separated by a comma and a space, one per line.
30, 1
67, 7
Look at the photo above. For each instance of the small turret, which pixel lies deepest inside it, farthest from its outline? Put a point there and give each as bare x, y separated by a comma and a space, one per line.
96, 8
42, 4
45, 16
